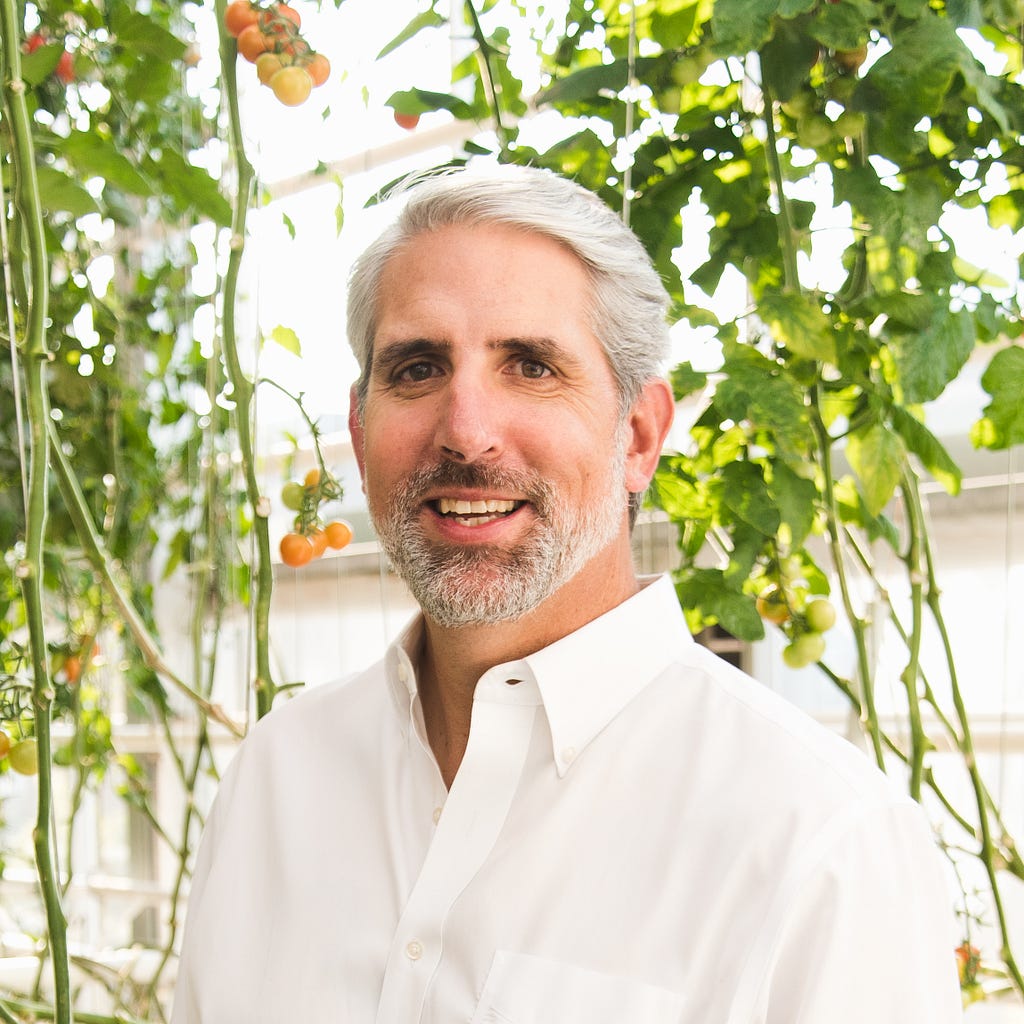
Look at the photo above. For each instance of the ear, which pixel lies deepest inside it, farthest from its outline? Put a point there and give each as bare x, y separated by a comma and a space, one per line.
647, 424
355, 429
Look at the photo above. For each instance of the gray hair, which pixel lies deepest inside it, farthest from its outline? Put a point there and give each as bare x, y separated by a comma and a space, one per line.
629, 299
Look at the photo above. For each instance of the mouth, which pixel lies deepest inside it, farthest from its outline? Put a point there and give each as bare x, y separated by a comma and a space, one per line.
477, 512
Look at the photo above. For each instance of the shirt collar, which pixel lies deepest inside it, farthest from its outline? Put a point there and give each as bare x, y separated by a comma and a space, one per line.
586, 678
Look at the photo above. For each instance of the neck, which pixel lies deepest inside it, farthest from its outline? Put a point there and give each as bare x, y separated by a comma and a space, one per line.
452, 659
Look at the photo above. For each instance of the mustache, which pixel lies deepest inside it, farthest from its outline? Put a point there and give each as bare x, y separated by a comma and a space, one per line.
529, 486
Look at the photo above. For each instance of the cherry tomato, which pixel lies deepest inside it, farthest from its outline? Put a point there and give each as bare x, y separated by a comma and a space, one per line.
292, 85
268, 65
24, 757
772, 605
407, 121
273, 18
5, 743
65, 69
820, 615
296, 550
318, 538
72, 668
240, 14
804, 650
312, 478
291, 493
33, 42
252, 42
319, 68
338, 534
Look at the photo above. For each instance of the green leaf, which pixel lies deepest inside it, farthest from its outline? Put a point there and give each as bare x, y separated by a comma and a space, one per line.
37, 66
927, 360
422, 101
141, 34
59, 192
94, 156
796, 499
739, 26
426, 19
589, 83
686, 380
786, 59
799, 323
745, 494
876, 455
927, 447
679, 496
289, 225
708, 591
673, 28
191, 186
1003, 423
287, 339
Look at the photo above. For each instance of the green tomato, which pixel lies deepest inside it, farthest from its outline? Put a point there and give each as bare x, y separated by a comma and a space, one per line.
291, 496
820, 615
23, 757
804, 650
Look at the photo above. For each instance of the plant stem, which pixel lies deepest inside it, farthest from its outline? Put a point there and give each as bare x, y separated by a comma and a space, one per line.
491, 87
787, 238
869, 713
94, 550
244, 391
30, 570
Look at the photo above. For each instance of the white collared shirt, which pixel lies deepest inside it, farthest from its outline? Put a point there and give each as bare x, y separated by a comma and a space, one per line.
637, 833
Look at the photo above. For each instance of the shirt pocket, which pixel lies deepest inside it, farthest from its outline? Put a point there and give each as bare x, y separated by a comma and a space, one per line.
524, 989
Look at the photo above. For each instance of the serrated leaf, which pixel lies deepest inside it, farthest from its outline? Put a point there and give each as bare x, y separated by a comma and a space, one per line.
927, 447
927, 360
1003, 423
799, 323
426, 19
708, 591
745, 494
876, 456
287, 339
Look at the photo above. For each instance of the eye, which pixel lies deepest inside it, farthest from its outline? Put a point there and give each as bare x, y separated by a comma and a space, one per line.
414, 373
533, 370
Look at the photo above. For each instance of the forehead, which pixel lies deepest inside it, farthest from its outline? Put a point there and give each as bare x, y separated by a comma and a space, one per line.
484, 273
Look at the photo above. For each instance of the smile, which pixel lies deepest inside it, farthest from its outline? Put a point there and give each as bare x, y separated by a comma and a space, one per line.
475, 513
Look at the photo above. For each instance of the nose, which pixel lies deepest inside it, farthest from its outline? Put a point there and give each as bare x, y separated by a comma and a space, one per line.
467, 428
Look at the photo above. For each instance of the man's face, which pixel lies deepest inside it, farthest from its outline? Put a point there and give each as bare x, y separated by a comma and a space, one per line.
492, 449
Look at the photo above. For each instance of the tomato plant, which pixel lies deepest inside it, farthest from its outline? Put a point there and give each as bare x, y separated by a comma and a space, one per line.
5, 744
252, 42
407, 121
804, 650
319, 68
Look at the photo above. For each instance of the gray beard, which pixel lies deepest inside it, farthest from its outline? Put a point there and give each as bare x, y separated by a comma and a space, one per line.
484, 585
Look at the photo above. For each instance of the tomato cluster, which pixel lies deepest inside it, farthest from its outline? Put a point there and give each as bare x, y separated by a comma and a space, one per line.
311, 537
270, 37
786, 603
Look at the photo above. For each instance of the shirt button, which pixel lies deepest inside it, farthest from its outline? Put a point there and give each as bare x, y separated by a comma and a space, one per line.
437, 814
569, 755
414, 950
403, 673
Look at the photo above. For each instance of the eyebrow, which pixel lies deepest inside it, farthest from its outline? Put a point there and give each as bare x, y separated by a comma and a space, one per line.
543, 349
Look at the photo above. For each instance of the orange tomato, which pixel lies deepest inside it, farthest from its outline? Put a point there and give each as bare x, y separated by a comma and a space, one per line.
318, 539
5, 743
407, 121
273, 18
312, 478
296, 550
319, 68
252, 42
268, 65
240, 14
338, 533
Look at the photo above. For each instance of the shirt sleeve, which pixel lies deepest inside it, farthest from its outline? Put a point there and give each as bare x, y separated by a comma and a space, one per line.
864, 929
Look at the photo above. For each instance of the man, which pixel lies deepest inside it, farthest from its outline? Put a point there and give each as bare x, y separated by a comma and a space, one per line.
547, 803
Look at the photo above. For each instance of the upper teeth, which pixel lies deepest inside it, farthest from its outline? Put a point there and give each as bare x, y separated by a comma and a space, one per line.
465, 508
